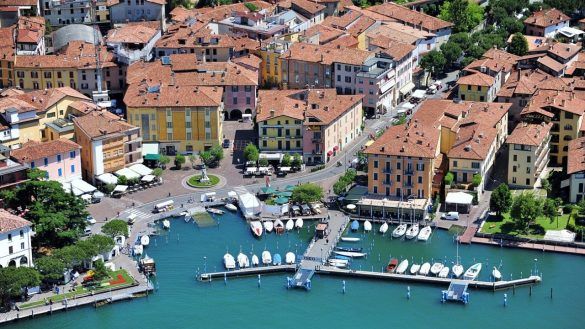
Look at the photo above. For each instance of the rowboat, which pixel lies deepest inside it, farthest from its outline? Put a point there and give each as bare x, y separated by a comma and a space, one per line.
425, 233
231, 207
350, 249
367, 226
289, 258
415, 268
436, 268
472, 272
355, 225
402, 267
496, 274
266, 257
424, 269
278, 226
268, 225
290, 224
341, 263
444, 272
255, 260
145, 240
457, 270
277, 260
350, 254
350, 239
185, 215
399, 231
229, 262
299, 223
384, 228
243, 260
166, 224
215, 211
391, 267
256, 228
412, 231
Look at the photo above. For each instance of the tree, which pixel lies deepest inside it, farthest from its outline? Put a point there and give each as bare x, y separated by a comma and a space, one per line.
251, 7
98, 244
217, 153
286, 160
108, 188
297, 161
36, 174
549, 210
476, 180
451, 51
581, 207
433, 62
122, 180
308, 192
461, 39
566, 6
157, 172
251, 152
188, 4
193, 160
164, 161
51, 268
501, 199
526, 207
73, 255
449, 178
179, 161
115, 227
99, 270
206, 157
518, 45
263, 162
14, 280
545, 184
464, 14
512, 25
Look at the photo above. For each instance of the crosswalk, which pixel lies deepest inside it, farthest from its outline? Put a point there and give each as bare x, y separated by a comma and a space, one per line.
138, 213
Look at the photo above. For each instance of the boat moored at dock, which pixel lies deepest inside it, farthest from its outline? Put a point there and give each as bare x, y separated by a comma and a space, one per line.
472, 272
425, 233
436, 268
229, 262
256, 228
391, 267
350, 239
266, 257
384, 228
424, 269
402, 267
350, 254
399, 231
412, 232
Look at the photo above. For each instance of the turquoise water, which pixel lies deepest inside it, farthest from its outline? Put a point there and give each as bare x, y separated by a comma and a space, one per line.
183, 302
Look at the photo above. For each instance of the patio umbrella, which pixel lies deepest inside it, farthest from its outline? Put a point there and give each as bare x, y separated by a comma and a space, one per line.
281, 200
350, 206
268, 190
285, 194
289, 188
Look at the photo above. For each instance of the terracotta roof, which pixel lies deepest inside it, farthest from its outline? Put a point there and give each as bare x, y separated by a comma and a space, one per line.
342, 22
400, 32
20, 3
315, 106
529, 133
12, 91
494, 60
33, 150
326, 33
30, 29
164, 95
561, 100
534, 43
39, 100
13, 103
371, 14
551, 63
84, 106
249, 60
501, 55
131, 33
546, 17
326, 55
397, 50
221, 12
477, 79
360, 26
10, 222
576, 156
308, 6
101, 123
345, 41
564, 50
77, 54
409, 16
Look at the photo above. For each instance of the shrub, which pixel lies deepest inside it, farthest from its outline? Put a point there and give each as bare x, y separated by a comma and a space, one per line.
449, 178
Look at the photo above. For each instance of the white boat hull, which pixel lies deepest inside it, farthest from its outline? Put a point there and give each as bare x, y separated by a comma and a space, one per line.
229, 262
412, 232
402, 267
231, 207
414, 269
256, 228
268, 226
144, 240
266, 257
399, 231
255, 260
496, 274
457, 270
473, 272
299, 223
289, 258
290, 224
424, 269
243, 261
166, 224
341, 263
367, 226
350, 239
444, 272
350, 254
384, 228
436, 268
425, 233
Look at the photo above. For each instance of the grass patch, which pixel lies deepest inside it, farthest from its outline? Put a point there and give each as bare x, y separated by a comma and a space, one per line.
506, 225
193, 181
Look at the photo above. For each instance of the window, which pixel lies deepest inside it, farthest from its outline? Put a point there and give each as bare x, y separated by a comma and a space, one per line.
9, 237
72, 154
375, 189
454, 163
348, 79
514, 169
22, 246
475, 165
248, 100
375, 176
60, 172
21, 234
527, 181
339, 78
468, 87
32, 165
568, 115
235, 100
529, 159
420, 179
528, 170
515, 156
398, 164
10, 250
170, 125
58, 157
169, 136
398, 178
189, 136
46, 160
235, 88
376, 164
513, 180
72, 169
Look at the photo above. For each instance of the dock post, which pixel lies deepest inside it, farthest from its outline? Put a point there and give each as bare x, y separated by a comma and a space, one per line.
505, 300
530, 292
514, 289
343, 286
259, 282
224, 277
550, 293
408, 292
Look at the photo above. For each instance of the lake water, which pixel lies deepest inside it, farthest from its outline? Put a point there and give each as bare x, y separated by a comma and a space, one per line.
183, 302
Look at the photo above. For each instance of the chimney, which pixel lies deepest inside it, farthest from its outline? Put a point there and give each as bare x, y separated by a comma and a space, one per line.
272, 113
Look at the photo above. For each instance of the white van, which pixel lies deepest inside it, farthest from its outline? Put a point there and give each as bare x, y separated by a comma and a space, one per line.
451, 215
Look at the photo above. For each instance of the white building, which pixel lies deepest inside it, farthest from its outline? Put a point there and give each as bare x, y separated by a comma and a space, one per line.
15, 236
576, 170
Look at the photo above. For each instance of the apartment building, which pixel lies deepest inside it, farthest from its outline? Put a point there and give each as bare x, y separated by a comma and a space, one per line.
477, 86
377, 82
253, 25
134, 11
134, 41
15, 240
546, 22
528, 154
576, 170
7, 54
30, 36
354, 23
271, 65
12, 172
64, 12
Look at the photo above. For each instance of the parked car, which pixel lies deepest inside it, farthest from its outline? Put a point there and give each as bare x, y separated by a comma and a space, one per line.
87, 231
90, 220
306, 210
451, 215
226, 143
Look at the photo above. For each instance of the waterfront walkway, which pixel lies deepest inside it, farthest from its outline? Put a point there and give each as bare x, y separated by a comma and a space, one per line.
529, 245
467, 236
320, 249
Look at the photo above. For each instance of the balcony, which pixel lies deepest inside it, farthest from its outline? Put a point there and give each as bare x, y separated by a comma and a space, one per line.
387, 182
387, 170
317, 140
408, 184
409, 171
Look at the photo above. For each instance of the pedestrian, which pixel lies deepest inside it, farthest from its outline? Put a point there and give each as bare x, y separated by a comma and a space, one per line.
169, 194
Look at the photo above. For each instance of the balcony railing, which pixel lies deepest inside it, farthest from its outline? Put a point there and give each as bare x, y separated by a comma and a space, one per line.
409, 171
388, 182
387, 170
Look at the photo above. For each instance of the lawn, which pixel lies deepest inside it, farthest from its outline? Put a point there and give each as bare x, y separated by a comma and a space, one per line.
194, 181
118, 279
505, 225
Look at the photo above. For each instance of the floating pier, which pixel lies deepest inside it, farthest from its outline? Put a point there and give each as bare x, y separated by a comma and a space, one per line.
302, 279
249, 271
457, 292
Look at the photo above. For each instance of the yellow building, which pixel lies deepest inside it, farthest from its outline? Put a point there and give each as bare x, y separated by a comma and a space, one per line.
477, 87
271, 67
528, 154
6, 56
282, 133
180, 118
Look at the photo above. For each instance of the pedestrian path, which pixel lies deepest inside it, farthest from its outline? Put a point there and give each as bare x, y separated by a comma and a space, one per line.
139, 213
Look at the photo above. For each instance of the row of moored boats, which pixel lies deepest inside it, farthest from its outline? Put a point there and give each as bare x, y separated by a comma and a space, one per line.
439, 270
267, 259
278, 226
410, 232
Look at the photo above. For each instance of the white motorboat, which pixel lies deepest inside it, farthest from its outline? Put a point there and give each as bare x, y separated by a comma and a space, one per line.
243, 260
138, 249
457, 270
299, 223
412, 231
214, 211
384, 228
415, 268
436, 268
472, 272
255, 260
399, 231
402, 267
144, 240
268, 226
424, 269
351, 254
166, 224
278, 226
185, 215
425, 233
289, 258
266, 257
229, 262
496, 274
231, 207
341, 263
444, 272
367, 226
256, 228
290, 224
350, 239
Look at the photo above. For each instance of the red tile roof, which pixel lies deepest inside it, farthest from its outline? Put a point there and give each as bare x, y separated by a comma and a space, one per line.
551, 63
476, 79
546, 17
33, 150
326, 55
101, 123
132, 33
409, 16
10, 222
529, 133
576, 156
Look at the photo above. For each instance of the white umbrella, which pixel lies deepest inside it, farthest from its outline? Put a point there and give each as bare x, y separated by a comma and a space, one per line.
350, 206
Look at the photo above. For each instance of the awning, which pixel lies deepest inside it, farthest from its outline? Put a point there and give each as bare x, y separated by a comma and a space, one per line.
147, 178
232, 194
152, 157
335, 148
419, 93
79, 187
289, 188
107, 178
459, 198
268, 190
150, 149
287, 194
128, 173
271, 156
330, 153
120, 188
368, 143
141, 169
407, 88
281, 200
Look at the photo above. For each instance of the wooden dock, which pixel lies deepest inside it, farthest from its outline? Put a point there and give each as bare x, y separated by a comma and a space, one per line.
468, 235
530, 245
243, 272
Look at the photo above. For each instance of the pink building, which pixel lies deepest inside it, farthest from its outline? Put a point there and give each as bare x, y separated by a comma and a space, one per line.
60, 158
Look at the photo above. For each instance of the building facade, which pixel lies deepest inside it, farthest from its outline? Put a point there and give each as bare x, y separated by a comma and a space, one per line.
15, 240
576, 170
546, 23
528, 154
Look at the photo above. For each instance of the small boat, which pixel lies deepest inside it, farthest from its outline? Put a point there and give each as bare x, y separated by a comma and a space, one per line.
266, 257
185, 215
231, 207
436, 268
138, 249
166, 224
341, 263
256, 228
277, 260
214, 211
350, 254
412, 231
402, 267
496, 274
391, 267
243, 260
341, 257
424, 269
399, 231
268, 226
414, 269
255, 260
351, 249
425, 233
289, 258
144, 240
290, 224
444, 272
278, 226
350, 239
355, 225
299, 223
457, 270
384, 228
229, 262
367, 226
472, 272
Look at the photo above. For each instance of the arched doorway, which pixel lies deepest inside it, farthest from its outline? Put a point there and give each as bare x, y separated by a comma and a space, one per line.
236, 115
226, 115
248, 111
12, 263
23, 261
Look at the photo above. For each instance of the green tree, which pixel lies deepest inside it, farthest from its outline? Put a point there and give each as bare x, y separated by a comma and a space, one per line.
308, 192
545, 184
518, 45
566, 6
164, 161
73, 255
193, 160
581, 208
179, 161
115, 227
157, 172
464, 14
526, 207
251, 152
99, 270
462, 39
36, 174
286, 160
512, 25
449, 178
108, 188
451, 51
476, 180
217, 153
501, 199
14, 280
251, 6
433, 62
206, 157
51, 268
297, 161
263, 162
122, 180
549, 210
98, 244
